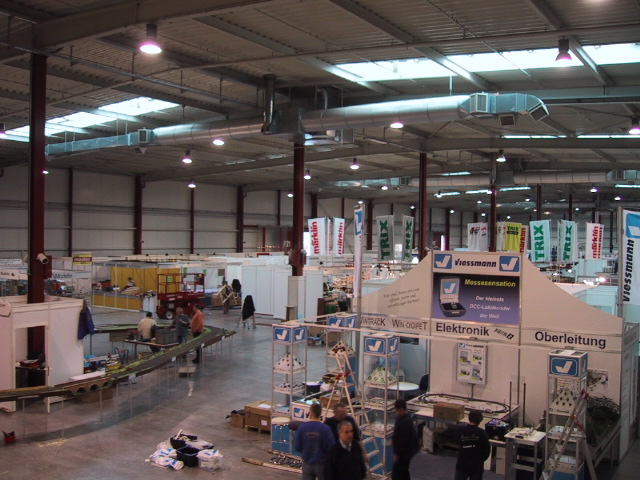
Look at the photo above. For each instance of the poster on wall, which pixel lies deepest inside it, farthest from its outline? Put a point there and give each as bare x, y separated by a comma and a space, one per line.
338, 236
472, 363
477, 288
385, 237
407, 238
593, 249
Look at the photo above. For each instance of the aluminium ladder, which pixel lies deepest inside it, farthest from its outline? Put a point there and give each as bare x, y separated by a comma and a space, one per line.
344, 380
568, 435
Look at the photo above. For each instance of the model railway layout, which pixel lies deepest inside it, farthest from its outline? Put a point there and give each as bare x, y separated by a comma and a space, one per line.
135, 368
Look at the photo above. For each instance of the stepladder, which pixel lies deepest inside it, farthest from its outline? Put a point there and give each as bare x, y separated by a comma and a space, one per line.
346, 390
573, 432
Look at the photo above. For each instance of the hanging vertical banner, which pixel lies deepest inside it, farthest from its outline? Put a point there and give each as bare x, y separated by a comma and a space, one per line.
523, 238
407, 237
318, 234
478, 237
593, 249
540, 240
512, 237
358, 222
500, 232
338, 236
385, 237
629, 256
567, 241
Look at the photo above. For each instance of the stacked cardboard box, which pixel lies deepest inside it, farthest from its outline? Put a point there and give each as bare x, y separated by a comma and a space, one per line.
448, 411
258, 415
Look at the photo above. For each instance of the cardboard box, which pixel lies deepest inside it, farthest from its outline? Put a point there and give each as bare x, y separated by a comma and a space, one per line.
258, 415
448, 411
324, 400
237, 420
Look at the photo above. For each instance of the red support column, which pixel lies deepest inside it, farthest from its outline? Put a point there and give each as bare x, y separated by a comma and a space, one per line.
192, 221
342, 207
298, 209
447, 230
422, 205
314, 205
240, 219
369, 220
492, 220
70, 213
539, 202
137, 216
37, 117
570, 216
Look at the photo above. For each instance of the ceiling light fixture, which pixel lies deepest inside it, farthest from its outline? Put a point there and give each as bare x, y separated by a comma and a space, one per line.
290, 194
594, 189
483, 214
479, 201
452, 211
218, 142
508, 217
45, 172
192, 184
617, 198
563, 50
438, 195
150, 43
354, 165
412, 207
397, 125
360, 202
635, 126
187, 157
501, 158
307, 174
384, 187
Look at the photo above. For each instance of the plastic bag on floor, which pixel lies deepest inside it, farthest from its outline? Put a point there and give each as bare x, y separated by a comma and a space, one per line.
166, 462
165, 444
166, 452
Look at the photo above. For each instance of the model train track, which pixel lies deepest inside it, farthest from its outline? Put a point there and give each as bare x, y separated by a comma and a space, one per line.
469, 404
137, 368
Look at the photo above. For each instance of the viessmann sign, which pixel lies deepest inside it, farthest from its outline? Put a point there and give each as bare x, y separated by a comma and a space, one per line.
478, 264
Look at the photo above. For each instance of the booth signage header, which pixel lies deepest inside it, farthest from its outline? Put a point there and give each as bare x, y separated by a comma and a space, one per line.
487, 264
395, 324
574, 340
497, 333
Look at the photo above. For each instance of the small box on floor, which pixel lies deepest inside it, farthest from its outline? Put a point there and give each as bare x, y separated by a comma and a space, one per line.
448, 411
258, 415
237, 419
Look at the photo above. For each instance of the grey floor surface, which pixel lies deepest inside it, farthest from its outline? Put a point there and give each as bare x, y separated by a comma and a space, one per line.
86, 441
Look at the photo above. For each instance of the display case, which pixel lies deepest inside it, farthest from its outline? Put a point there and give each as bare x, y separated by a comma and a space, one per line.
566, 414
289, 372
380, 365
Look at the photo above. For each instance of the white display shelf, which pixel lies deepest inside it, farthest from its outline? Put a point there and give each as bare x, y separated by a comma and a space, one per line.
289, 370
379, 403
378, 430
287, 389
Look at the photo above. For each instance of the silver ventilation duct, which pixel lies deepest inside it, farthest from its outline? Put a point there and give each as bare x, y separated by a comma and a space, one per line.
559, 177
295, 122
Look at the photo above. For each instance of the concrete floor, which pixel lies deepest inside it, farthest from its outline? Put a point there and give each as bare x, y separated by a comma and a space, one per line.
85, 441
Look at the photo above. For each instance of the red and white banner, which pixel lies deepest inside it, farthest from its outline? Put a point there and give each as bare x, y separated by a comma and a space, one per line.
593, 247
478, 237
524, 236
338, 236
318, 234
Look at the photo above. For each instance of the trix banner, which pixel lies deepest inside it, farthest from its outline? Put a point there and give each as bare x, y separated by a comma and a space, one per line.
385, 237
407, 237
593, 249
511, 237
540, 240
477, 288
477, 237
318, 234
567, 241
630, 257
338, 236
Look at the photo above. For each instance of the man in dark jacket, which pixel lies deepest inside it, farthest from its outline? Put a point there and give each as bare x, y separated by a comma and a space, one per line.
344, 460
474, 449
404, 440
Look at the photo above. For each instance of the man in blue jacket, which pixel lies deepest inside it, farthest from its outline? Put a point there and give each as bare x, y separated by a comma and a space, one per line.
313, 440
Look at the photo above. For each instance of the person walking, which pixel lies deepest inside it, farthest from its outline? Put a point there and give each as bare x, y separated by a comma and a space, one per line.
339, 415
404, 441
474, 448
197, 326
313, 440
181, 322
344, 460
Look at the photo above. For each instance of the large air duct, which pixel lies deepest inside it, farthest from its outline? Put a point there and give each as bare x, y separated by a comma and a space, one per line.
295, 122
559, 177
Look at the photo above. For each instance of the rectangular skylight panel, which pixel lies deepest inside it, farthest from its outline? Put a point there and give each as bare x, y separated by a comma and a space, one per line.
614, 54
80, 120
482, 62
413, 68
138, 106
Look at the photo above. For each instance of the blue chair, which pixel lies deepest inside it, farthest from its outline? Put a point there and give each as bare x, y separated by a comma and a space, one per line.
423, 386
